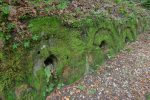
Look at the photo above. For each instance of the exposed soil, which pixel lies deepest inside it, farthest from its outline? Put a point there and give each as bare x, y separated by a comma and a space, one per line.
125, 77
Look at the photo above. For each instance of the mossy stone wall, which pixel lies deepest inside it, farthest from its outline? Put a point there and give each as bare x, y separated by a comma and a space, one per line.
67, 53
92, 42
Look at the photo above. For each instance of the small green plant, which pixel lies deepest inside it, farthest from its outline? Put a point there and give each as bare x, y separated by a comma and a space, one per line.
10, 26
50, 88
7, 37
35, 37
6, 9
92, 91
15, 45
109, 56
26, 44
81, 87
60, 85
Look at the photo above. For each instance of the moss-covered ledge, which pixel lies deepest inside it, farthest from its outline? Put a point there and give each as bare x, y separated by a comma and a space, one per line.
70, 52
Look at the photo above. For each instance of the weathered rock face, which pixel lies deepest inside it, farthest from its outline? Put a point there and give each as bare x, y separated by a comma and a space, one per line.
69, 51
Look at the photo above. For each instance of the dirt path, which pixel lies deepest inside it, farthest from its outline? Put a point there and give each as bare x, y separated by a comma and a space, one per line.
125, 77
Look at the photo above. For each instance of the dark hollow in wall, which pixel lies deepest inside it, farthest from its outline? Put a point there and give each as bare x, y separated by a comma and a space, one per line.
50, 60
103, 45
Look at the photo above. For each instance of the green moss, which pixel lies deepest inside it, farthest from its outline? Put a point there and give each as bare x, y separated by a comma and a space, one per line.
46, 24
96, 57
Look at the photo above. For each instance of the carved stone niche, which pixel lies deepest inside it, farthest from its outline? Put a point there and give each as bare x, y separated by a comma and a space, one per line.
43, 57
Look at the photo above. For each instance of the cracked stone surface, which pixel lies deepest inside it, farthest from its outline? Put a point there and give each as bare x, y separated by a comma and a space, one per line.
125, 77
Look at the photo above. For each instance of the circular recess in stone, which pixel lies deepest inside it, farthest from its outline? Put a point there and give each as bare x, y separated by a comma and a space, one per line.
38, 52
103, 45
50, 60
67, 57
126, 40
